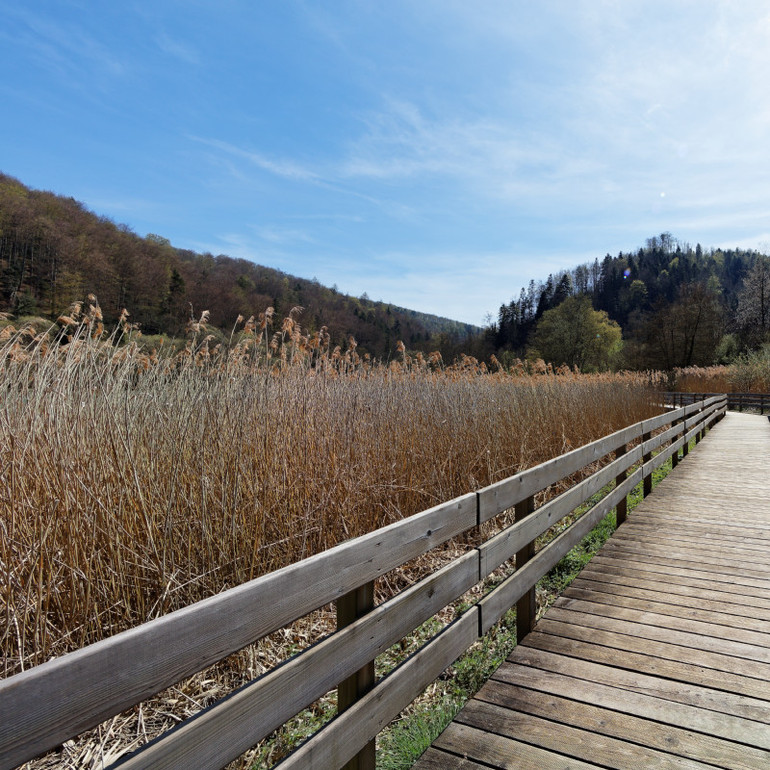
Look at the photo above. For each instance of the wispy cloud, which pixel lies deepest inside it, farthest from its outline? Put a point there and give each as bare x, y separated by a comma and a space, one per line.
179, 50
285, 168
65, 48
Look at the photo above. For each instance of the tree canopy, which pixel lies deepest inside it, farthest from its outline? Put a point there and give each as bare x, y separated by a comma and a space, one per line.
575, 334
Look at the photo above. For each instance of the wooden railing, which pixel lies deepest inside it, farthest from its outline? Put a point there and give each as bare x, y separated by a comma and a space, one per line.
46, 705
738, 401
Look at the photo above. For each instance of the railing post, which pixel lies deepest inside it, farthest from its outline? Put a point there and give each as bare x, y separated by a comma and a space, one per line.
621, 509
526, 607
675, 456
647, 482
350, 607
699, 435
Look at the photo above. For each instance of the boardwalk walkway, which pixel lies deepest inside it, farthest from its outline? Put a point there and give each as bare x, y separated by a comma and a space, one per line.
658, 655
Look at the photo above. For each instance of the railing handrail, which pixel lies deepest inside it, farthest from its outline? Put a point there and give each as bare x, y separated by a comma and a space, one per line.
50, 703
738, 400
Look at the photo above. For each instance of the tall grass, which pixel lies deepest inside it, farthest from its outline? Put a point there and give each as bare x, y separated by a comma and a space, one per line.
749, 373
136, 483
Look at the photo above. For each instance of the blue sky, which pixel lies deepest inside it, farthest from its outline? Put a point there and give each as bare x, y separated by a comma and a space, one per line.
433, 154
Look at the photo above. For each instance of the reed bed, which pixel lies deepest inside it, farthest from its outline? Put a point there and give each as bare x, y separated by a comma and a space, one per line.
750, 373
705, 379
135, 483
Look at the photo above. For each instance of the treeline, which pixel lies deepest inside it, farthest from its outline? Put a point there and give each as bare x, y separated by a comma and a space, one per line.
677, 305
54, 251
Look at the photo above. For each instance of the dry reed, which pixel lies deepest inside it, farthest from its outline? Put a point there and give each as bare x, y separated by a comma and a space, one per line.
135, 483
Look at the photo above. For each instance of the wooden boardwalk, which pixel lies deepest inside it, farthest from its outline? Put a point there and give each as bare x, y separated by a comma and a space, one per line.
658, 655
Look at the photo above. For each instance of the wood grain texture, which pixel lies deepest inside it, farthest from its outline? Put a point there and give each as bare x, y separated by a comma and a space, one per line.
41, 708
50, 703
658, 655
344, 736
224, 731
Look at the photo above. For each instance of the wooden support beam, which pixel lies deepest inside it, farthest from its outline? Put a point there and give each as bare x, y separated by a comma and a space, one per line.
349, 608
526, 607
647, 483
621, 509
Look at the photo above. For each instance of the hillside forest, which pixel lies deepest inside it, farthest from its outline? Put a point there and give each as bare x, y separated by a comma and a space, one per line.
674, 305
54, 252
665, 306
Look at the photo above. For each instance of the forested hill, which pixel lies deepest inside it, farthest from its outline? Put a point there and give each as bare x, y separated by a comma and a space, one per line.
53, 251
677, 305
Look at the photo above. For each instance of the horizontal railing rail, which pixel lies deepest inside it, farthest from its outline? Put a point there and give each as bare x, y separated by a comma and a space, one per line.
53, 702
736, 401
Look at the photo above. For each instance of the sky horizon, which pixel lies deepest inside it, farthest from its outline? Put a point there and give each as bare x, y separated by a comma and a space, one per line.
430, 154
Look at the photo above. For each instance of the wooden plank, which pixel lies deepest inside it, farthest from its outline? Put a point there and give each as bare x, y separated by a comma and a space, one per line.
747, 539
682, 610
343, 736
691, 560
625, 726
618, 635
639, 563
649, 630
501, 751
674, 602
730, 705
556, 736
702, 537
704, 526
700, 548
694, 589
435, 759
668, 712
505, 544
758, 642
593, 650
221, 733
495, 604
504, 494
58, 699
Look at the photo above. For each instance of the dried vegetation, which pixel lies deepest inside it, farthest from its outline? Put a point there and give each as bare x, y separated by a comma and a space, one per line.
136, 482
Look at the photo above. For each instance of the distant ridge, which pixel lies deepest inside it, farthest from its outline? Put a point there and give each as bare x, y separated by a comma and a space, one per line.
54, 251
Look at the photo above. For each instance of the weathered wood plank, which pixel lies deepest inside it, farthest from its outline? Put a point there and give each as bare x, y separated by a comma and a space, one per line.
435, 759
639, 564
495, 604
230, 727
691, 588
662, 607
625, 726
50, 703
647, 662
503, 495
757, 644
692, 560
672, 602
669, 712
554, 735
343, 737
503, 751
697, 640
729, 704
